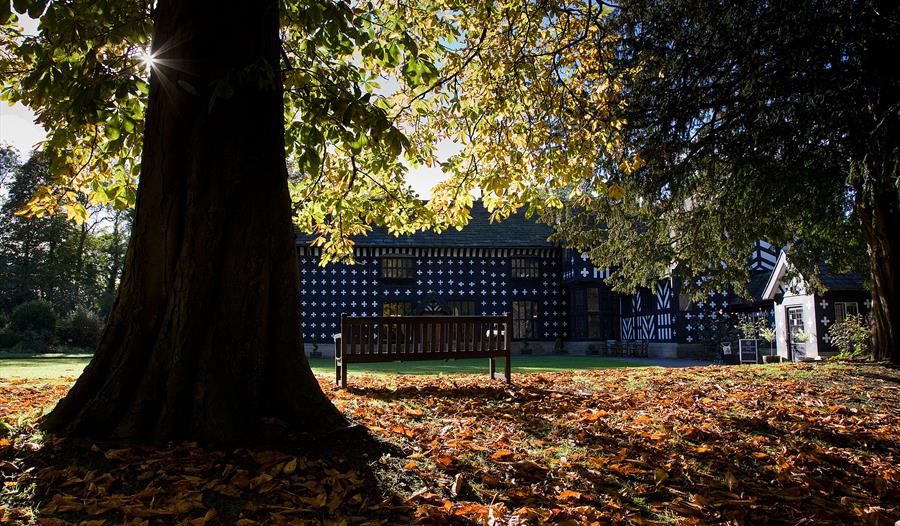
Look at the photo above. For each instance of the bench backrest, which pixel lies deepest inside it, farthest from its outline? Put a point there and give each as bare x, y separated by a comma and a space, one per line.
425, 335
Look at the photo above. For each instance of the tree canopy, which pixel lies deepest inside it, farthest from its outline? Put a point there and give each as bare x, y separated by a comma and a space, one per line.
775, 121
748, 120
515, 83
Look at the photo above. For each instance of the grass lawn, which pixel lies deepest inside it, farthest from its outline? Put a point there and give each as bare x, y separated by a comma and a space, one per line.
68, 366
768, 444
43, 367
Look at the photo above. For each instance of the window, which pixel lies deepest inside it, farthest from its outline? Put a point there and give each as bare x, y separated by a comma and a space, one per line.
528, 268
594, 314
842, 309
397, 267
461, 307
795, 324
396, 308
594, 319
525, 319
394, 333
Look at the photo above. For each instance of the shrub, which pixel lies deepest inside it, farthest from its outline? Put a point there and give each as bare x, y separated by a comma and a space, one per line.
850, 336
755, 327
4, 320
80, 329
747, 327
34, 324
35, 316
8, 339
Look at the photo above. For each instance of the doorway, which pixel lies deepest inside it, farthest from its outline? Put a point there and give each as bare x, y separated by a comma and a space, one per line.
796, 343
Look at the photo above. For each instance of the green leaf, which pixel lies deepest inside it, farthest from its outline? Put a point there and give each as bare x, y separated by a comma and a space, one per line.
21, 6
5, 11
111, 132
223, 90
357, 144
396, 54
187, 86
36, 9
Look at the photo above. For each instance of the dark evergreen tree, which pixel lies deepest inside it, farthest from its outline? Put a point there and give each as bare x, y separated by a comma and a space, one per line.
747, 121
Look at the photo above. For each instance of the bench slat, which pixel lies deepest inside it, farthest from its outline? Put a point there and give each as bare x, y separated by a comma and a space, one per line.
433, 335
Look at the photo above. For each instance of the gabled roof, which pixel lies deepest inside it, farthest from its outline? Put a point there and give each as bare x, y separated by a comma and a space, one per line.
831, 281
781, 268
847, 281
516, 231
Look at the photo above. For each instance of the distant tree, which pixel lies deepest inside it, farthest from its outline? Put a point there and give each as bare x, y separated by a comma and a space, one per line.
113, 243
9, 160
748, 121
49, 257
28, 244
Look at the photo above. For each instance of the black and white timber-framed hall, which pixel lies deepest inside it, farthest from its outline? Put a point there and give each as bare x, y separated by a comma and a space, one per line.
555, 295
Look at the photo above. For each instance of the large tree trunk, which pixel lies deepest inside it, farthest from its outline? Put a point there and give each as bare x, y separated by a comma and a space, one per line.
880, 218
203, 341
875, 149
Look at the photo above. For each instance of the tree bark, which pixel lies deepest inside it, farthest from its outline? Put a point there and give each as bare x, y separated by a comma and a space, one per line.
880, 218
203, 341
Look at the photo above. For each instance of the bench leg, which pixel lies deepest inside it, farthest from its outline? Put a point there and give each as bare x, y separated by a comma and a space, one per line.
337, 372
507, 370
493, 362
344, 375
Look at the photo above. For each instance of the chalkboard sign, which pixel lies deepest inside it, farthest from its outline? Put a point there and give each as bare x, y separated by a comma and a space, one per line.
748, 352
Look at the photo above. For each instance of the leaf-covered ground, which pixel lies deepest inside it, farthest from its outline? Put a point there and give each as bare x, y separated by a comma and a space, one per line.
780, 444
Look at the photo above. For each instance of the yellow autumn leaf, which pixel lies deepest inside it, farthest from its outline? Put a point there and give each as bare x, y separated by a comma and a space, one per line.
615, 191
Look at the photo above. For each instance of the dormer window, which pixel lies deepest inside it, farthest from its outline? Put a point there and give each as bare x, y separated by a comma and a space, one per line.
397, 267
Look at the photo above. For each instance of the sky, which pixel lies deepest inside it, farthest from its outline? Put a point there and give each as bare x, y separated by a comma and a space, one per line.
17, 128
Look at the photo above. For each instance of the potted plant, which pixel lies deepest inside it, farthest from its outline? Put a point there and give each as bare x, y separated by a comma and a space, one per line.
800, 336
768, 334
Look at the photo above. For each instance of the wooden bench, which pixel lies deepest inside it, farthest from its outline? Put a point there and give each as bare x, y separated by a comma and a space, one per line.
367, 339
